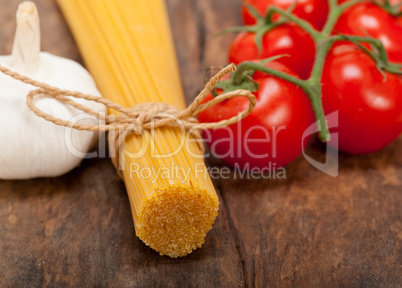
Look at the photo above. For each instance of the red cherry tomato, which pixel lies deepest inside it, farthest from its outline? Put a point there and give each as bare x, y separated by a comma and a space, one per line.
392, 2
286, 39
314, 11
370, 107
273, 65
399, 22
271, 136
369, 19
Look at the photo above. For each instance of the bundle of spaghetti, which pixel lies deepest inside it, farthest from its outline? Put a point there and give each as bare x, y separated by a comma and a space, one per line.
127, 46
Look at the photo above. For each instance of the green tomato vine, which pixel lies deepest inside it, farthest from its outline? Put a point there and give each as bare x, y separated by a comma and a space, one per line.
323, 40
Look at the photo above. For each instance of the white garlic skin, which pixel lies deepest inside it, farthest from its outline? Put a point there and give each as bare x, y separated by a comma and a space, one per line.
31, 147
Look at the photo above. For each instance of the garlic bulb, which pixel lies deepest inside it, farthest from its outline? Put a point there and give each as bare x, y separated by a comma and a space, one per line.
30, 146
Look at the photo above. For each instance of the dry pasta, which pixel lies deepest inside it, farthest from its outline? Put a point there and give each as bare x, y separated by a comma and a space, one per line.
127, 46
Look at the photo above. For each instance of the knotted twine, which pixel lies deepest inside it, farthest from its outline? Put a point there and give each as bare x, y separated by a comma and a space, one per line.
141, 117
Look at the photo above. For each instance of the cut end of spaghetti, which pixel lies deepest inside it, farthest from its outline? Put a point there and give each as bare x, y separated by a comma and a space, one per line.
175, 222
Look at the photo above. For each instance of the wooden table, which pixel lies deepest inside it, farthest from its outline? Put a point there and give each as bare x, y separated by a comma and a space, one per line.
310, 230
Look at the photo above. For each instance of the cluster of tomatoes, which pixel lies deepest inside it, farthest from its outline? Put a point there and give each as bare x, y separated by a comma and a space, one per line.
368, 100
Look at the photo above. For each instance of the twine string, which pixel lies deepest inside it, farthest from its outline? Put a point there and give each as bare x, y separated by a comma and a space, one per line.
141, 117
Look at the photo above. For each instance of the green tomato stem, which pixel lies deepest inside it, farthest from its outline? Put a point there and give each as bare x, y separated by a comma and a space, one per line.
313, 87
247, 66
335, 12
375, 42
323, 42
310, 87
333, 17
348, 4
322, 49
379, 55
306, 26
314, 96
333, 3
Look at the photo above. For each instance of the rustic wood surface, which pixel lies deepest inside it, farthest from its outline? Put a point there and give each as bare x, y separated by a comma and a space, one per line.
310, 230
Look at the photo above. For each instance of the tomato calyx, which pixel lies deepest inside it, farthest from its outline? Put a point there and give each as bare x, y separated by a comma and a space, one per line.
263, 24
243, 79
246, 83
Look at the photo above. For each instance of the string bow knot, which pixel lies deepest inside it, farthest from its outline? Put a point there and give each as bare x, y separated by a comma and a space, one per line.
144, 116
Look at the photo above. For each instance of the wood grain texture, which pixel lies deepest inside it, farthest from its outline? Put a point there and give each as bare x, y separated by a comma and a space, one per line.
309, 230
313, 230
77, 231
